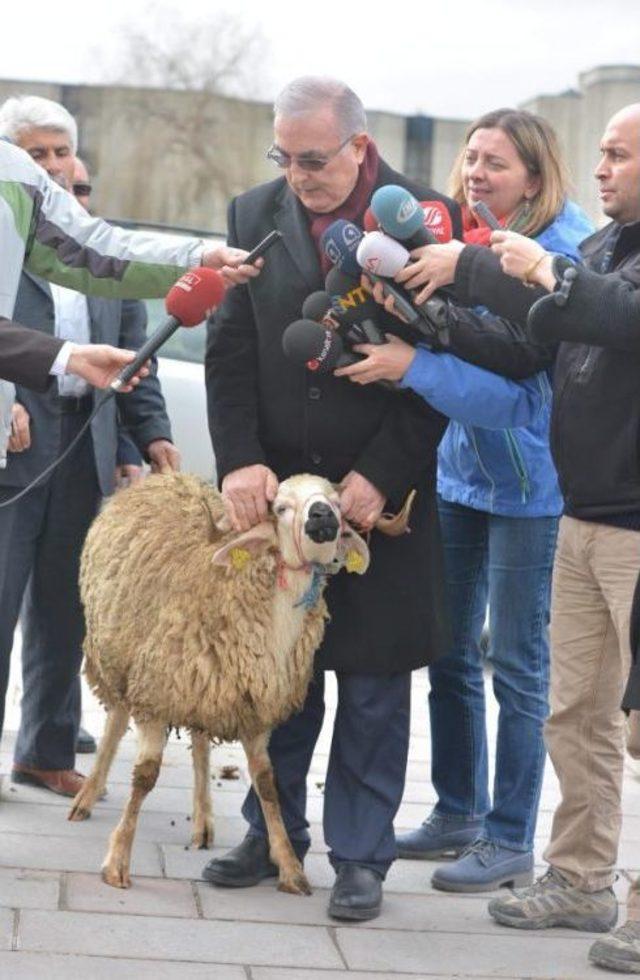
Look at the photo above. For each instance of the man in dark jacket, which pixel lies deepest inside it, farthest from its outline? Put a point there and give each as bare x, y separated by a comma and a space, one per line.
270, 418
595, 435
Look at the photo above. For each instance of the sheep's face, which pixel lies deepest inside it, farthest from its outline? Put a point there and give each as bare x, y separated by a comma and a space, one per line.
306, 528
308, 520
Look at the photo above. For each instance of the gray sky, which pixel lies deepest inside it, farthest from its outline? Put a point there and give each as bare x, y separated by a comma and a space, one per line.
452, 58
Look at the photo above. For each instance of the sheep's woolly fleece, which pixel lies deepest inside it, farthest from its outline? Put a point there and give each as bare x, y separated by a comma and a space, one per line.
173, 637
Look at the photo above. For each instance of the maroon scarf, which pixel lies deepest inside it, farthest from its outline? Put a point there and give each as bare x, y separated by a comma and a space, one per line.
353, 208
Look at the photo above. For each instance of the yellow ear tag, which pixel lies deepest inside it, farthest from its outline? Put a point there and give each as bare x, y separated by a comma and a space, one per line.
239, 558
354, 561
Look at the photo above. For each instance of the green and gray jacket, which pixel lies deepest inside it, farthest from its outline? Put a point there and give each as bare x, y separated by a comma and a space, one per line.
43, 228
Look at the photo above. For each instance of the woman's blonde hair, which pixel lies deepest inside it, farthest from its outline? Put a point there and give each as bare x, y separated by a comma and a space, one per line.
537, 146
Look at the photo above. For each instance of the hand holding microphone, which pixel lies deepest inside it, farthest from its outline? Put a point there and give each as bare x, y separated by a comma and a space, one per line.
523, 258
382, 362
235, 265
418, 225
432, 267
196, 294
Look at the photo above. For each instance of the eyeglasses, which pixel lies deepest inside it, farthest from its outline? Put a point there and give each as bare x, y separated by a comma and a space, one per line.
303, 160
82, 190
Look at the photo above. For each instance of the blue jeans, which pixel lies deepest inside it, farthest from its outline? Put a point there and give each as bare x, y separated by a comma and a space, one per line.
507, 562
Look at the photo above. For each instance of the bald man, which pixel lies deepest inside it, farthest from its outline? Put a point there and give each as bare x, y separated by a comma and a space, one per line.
595, 438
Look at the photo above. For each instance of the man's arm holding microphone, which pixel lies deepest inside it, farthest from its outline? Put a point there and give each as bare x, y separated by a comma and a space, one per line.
461, 391
583, 306
30, 358
490, 339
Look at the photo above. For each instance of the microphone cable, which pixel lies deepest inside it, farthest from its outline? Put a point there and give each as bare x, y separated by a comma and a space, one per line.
60, 459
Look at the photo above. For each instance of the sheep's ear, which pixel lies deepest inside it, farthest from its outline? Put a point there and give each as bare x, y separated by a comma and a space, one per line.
237, 552
353, 551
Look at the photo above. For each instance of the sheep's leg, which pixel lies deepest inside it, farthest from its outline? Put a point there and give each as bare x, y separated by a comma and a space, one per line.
94, 785
202, 835
151, 742
291, 878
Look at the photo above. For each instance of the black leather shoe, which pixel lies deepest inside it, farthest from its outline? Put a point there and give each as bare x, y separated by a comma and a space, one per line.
357, 893
85, 742
245, 865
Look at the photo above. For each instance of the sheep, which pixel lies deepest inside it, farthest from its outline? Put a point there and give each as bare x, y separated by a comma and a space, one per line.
190, 625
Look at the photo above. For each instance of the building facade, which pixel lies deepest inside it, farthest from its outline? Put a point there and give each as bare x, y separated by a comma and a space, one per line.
176, 157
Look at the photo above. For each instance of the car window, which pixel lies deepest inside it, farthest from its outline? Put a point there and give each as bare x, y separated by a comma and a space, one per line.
186, 344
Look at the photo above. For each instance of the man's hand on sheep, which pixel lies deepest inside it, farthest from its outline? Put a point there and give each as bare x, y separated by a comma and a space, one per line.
163, 456
247, 493
360, 502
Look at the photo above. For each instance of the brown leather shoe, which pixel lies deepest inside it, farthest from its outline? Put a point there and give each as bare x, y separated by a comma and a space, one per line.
64, 782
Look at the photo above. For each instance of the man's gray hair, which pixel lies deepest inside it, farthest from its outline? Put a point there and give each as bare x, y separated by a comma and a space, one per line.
33, 112
310, 92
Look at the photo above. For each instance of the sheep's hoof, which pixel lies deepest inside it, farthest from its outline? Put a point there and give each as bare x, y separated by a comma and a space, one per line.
115, 876
295, 884
78, 812
202, 839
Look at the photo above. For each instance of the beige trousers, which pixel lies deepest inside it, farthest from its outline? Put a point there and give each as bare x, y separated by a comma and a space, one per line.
594, 577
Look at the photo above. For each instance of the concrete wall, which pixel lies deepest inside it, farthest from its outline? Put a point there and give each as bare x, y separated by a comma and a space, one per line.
177, 157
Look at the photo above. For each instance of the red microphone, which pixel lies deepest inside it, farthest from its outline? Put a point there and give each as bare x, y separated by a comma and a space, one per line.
189, 301
370, 222
437, 220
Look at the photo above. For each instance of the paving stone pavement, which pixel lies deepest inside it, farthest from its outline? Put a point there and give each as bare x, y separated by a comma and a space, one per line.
58, 920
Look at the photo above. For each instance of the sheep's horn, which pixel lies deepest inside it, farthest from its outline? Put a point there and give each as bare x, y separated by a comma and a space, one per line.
393, 525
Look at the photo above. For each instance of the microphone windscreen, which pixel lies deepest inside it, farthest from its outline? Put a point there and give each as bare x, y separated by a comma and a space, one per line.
351, 302
193, 297
397, 210
338, 282
339, 243
437, 220
370, 222
381, 255
308, 343
317, 305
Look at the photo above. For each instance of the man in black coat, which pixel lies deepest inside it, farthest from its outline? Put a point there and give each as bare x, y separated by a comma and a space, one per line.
270, 418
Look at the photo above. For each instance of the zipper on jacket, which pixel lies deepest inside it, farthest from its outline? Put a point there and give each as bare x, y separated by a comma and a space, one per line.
582, 370
518, 464
483, 468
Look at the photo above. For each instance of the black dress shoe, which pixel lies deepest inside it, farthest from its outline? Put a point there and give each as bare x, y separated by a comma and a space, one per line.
85, 742
245, 865
357, 893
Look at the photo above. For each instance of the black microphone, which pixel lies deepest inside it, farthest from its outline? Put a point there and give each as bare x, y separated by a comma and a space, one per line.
318, 348
354, 308
318, 306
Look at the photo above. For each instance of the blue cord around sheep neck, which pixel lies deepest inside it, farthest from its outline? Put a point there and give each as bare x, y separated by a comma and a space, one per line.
311, 596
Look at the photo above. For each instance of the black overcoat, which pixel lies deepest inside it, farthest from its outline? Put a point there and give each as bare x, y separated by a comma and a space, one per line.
265, 409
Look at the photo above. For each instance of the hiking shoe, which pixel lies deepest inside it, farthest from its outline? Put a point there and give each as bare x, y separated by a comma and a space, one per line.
553, 901
620, 951
439, 836
484, 866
